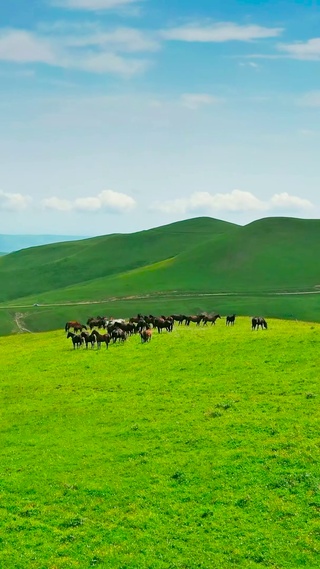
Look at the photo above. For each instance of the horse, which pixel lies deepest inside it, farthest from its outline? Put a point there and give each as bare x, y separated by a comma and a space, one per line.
258, 321
230, 320
101, 338
212, 318
197, 319
76, 340
88, 339
135, 319
161, 323
118, 334
77, 326
178, 318
146, 336
96, 322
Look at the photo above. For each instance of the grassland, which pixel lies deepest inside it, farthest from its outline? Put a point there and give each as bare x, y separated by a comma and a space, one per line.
170, 268
199, 450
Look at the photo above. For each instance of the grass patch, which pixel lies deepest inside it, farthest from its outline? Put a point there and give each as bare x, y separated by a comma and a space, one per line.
198, 450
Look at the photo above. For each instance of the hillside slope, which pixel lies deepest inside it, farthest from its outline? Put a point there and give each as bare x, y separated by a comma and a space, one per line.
52, 267
269, 255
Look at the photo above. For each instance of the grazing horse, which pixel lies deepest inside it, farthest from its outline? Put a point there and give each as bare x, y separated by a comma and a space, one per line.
257, 322
146, 336
197, 319
77, 326
88, 339
101, 338
76, 340
178, 318
163, 324
230, 320
212, 318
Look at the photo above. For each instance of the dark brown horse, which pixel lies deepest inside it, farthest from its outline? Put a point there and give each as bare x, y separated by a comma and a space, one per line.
88, 338
98, 322
135, 319
76, 340
163, 324
196, 319
77, 326
101, 339
211, 318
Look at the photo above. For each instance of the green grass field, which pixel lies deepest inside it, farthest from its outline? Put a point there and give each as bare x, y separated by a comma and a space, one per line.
200, 450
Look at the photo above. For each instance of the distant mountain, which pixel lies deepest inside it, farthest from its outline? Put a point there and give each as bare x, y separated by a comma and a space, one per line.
10, 243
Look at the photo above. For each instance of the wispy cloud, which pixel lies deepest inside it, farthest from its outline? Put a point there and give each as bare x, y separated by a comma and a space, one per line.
93, 5
236, 201
219, 32
21, 46
13, 202
309, 50
97, 52
194, 101
311, 99
107, 201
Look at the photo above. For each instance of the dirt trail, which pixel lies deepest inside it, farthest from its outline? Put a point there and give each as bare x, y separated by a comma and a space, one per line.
18, 319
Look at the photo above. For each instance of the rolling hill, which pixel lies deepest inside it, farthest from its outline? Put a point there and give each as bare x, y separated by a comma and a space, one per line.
194, 265
46, 269
201, 255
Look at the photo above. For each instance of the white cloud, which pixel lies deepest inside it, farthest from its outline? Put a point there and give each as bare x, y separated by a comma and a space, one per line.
95, 53
24, 47
93, 5
111, 63
13, 202
219, 32
309, 50
236, 201
106, 201
195, 100
121, 39
285, 201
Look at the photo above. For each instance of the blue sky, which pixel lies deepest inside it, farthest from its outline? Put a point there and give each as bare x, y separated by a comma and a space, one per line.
120, 115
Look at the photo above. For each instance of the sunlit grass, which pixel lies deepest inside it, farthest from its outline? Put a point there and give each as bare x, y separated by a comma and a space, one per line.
200, 449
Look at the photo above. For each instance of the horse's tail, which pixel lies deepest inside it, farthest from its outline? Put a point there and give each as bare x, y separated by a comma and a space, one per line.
66, 328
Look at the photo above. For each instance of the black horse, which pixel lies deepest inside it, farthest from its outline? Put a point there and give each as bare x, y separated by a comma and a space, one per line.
257, 322
178, 318
76, 340
88, 338
230, 320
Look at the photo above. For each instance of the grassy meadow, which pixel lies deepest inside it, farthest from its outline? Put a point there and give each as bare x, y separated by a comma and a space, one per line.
198, 450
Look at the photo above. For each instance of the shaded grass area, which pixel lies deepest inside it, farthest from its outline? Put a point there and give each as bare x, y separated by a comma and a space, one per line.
198, 450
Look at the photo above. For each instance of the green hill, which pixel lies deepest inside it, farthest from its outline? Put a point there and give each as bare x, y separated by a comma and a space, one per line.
168, 269
202, 256
52, 267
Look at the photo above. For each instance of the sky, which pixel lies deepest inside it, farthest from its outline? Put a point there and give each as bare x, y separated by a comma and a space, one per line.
122, 115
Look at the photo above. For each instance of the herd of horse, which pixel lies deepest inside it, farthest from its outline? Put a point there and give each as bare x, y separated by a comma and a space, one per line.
118, 330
